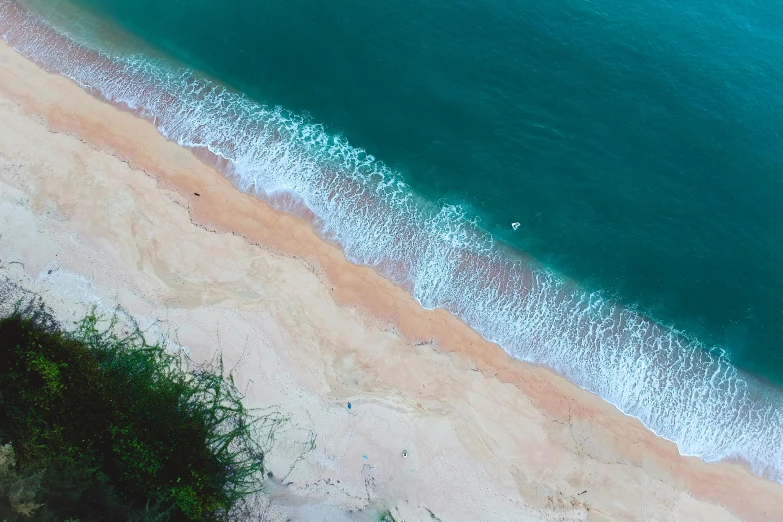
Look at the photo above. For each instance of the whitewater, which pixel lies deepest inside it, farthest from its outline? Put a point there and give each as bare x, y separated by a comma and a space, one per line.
679, 388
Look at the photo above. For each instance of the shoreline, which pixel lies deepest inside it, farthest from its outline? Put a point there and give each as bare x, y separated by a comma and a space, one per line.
605, 349
221, 208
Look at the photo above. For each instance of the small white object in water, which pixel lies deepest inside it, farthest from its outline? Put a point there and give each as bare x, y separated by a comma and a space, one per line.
405, 453
515, 225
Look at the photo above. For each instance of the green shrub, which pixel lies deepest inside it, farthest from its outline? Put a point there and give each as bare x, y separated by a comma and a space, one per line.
17, 490
118, 428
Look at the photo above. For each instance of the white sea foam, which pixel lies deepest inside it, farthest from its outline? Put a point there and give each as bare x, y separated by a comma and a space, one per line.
677, 387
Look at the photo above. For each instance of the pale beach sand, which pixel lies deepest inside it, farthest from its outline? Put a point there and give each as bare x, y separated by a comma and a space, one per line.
97, 208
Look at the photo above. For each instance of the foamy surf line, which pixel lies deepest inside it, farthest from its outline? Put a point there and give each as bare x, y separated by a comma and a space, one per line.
676, 387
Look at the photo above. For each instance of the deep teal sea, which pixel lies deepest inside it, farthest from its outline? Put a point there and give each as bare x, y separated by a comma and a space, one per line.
597, 186
637, 144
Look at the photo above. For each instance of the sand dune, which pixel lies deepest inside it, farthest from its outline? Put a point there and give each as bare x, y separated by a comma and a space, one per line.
97, 208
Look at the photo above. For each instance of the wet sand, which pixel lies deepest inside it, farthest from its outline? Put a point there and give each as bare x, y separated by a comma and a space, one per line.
97, 207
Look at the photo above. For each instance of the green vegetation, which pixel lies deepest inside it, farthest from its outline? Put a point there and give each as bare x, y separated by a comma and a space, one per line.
98, 424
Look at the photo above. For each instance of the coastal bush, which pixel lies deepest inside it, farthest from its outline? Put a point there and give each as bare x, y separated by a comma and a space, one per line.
99, 424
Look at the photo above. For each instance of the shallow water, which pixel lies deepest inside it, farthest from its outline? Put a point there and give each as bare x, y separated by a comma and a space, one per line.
637, 148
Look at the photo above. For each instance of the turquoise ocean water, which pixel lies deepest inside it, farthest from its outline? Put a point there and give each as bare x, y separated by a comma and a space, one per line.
597, 186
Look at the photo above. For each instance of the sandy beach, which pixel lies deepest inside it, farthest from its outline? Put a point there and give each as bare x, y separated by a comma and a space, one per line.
96, 208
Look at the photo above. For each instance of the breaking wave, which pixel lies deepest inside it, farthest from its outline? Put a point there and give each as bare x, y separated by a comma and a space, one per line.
677, 387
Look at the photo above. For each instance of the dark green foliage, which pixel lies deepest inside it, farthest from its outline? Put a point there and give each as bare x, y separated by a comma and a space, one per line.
118, 428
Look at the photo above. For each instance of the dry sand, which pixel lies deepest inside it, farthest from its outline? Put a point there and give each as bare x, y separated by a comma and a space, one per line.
97, 208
